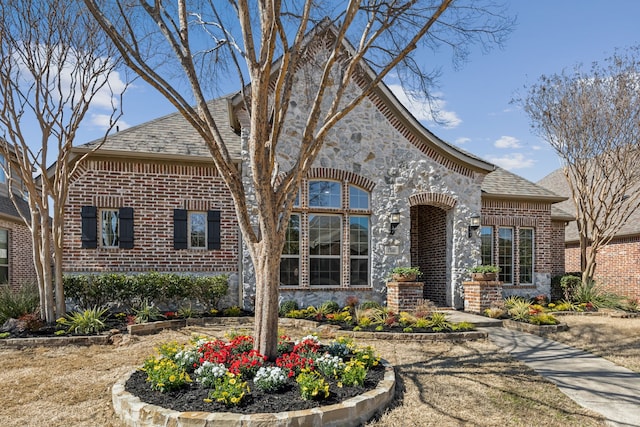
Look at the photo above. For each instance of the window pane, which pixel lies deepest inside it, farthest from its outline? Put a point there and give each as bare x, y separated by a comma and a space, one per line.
486, 245
359, 235
324, 271
324, 235
359, 272
4, 247
3, 177
526, 252
109, 228
292, 238
325, 194
290, 271
505, 254
198, 229
358, 199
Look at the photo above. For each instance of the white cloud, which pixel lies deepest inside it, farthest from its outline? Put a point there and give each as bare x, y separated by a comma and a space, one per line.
507, 142
430, 111
512, 161
462, 140
101, 121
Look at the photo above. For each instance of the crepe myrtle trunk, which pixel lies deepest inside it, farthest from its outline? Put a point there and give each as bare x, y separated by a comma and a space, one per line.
266, 261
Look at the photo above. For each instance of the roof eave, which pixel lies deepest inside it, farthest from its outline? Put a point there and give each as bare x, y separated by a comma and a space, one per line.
549, 199
146, 155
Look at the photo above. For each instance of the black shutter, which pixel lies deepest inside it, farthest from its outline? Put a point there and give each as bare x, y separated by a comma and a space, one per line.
180, 229
89, 227
213, 230
125, 228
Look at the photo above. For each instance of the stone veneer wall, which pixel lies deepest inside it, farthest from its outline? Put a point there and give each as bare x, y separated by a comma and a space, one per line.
372, 142
618, 266
153, 190
21, 268
516, 214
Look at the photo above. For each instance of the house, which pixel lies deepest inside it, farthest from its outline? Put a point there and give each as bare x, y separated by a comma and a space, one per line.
383, 192
16, 246
618, 262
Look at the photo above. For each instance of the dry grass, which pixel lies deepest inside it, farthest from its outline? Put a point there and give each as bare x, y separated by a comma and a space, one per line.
615, 339
442, 384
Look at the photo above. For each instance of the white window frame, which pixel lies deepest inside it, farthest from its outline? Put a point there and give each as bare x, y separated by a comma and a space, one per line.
115, 213
533, 255
190, 245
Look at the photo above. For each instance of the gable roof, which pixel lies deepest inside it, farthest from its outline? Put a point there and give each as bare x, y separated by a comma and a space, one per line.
502, 184
9, 211
169, 137
557, 182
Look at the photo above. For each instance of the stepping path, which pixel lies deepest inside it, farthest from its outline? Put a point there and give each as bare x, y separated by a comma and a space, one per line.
593, 382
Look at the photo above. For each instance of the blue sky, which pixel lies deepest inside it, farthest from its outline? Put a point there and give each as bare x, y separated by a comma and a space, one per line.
549, 35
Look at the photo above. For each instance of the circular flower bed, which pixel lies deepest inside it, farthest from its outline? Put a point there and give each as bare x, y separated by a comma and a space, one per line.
229, 376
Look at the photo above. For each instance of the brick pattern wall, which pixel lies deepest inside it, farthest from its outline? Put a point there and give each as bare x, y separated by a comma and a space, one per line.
429, 250
504, 213
404, 296
21, 268
479, 296
557, 248
618, 265
153, 190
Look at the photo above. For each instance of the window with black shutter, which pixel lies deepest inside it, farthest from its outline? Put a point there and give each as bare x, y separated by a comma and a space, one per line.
180, 229
126, 228
89, 216
213, 230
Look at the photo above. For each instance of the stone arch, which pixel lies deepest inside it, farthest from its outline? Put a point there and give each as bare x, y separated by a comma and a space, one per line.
338, 175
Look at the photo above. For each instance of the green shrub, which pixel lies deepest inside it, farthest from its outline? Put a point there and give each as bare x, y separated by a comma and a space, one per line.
543, 319
17, 303
147, 312
518, 308
368, 304
89, 321
569, 283
328, 307
287, 306
594, 294
438, 322
209, 290
234, 311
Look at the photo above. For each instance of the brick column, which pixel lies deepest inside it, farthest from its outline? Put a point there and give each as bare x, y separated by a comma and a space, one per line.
480, 295
404, 296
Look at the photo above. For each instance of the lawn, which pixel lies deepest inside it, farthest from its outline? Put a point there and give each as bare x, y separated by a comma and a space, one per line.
443, 384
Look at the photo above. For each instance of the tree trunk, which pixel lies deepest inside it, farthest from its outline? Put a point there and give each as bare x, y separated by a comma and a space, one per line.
267, 274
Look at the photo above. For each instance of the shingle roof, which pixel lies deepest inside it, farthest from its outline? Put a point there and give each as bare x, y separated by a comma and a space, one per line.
557, 182
8, 208
502, 183
172, 135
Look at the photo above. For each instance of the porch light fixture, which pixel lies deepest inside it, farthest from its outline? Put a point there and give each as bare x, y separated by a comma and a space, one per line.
394, 220
474, 223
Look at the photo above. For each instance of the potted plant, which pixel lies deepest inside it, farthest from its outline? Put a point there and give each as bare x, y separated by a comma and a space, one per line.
405, 274
484, 272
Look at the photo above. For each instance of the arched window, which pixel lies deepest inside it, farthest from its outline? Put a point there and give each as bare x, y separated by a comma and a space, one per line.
328, 239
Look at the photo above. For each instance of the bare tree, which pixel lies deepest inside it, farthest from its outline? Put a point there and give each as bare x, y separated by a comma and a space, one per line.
266, 44
592, 120
56, 62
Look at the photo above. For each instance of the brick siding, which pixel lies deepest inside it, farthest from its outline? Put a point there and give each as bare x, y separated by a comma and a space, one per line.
618, 265
516, 214
21, 268
429, 250
479, 296
153, 190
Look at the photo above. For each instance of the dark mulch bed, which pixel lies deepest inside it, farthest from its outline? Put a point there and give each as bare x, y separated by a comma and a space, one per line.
191, 397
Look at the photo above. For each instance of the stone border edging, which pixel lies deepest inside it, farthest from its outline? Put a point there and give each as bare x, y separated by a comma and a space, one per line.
534, 329
352, 412
56, 341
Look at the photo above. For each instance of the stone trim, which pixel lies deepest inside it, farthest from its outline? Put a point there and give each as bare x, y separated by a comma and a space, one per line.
440, 200
343, 176
352, 412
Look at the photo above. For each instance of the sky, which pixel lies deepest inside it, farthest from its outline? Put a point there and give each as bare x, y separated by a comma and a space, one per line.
549, 36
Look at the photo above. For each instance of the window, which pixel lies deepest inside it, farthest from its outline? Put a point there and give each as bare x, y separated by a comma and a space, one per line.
335, 241
4, 256
486, 245
505, 254
3, 177
112, 229
290, 260
525, 252
196, 230
109, 228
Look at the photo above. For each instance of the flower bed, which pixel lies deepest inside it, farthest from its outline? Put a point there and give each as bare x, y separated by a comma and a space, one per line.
222, 377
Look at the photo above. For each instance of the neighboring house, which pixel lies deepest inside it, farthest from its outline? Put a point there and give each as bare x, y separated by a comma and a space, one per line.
16, 247
618, 262
150, 198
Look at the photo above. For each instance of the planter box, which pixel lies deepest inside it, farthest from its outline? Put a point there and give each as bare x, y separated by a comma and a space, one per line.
484, 277
540, 330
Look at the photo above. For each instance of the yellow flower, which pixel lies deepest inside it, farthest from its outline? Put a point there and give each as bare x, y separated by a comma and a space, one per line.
207, 400
172, 378
232, 381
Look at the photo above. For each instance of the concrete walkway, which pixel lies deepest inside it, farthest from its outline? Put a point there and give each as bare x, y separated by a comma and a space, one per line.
591, 381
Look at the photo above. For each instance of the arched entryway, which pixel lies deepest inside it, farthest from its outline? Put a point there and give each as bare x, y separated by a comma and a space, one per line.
429, 244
